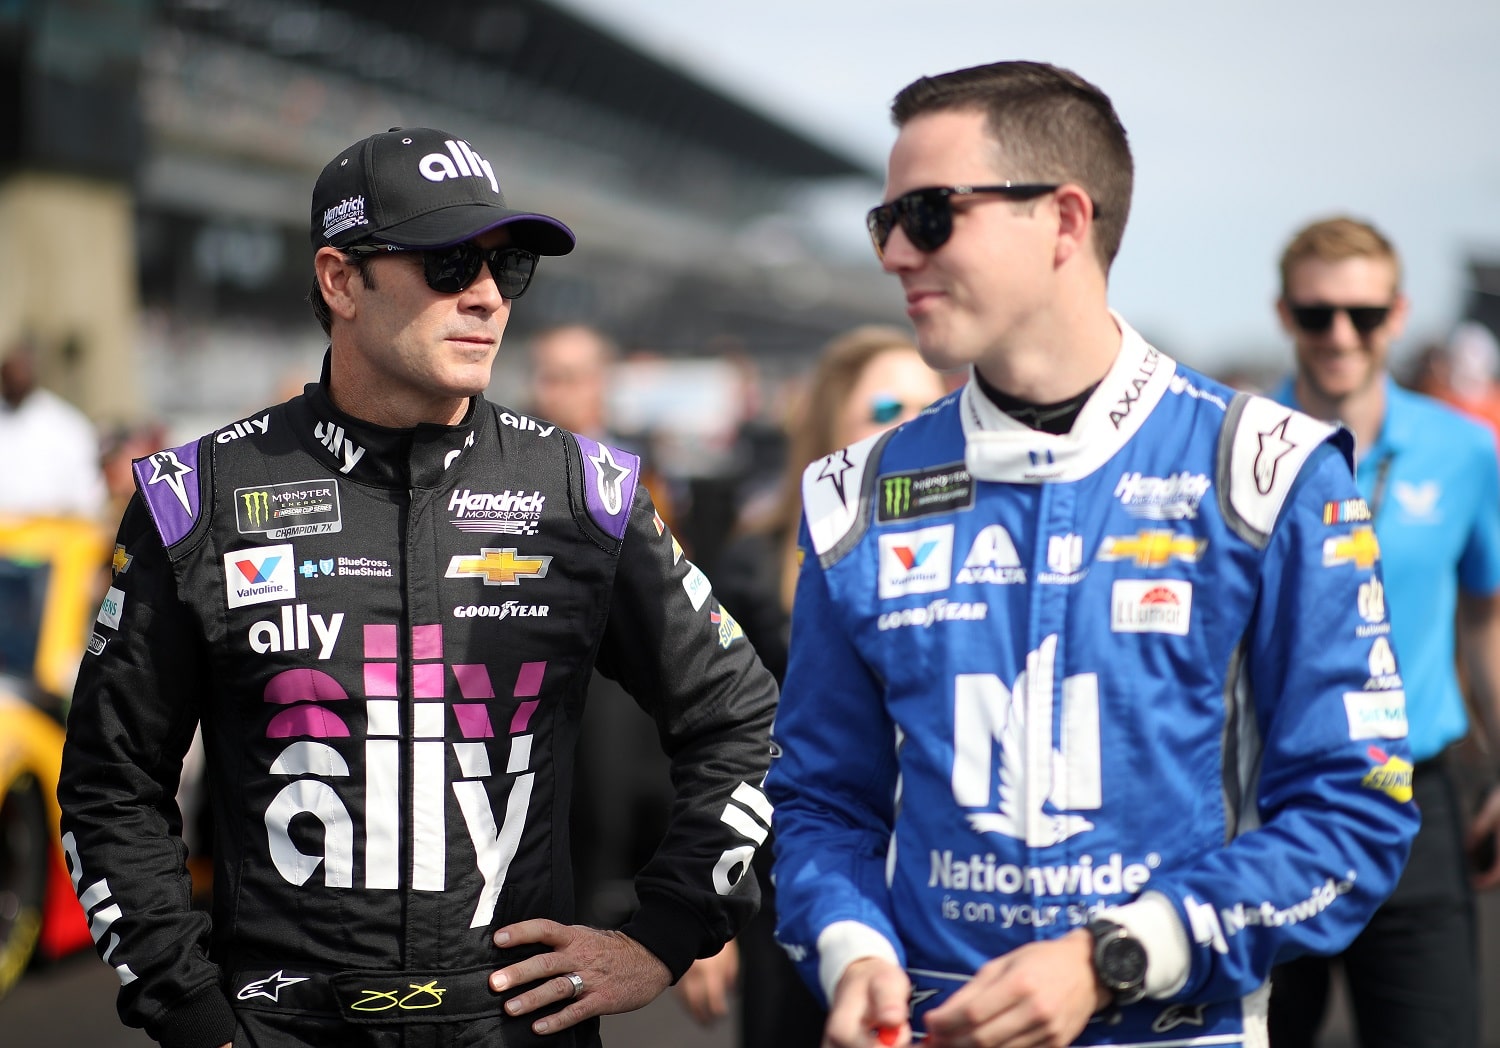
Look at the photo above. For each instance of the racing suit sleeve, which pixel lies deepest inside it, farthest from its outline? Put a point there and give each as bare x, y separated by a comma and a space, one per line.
134, 711
1326, 817
685, 661
834, 793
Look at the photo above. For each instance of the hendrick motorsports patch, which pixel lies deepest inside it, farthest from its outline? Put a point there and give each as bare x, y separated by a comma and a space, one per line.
283, 511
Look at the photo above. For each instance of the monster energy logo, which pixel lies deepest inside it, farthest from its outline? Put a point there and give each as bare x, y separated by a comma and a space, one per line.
940, 489
257, 507
897, 496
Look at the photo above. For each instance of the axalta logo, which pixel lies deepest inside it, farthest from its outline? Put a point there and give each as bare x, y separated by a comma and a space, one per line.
459, 162
498, 567
294, 632
992, 559
1146, 606
247, 427
526, 424
508, 512
1360, 547
346, 214
1174, 497
940, 610
510, 609
916, 561
256, 576
1382, 662
331, 436
1087, 876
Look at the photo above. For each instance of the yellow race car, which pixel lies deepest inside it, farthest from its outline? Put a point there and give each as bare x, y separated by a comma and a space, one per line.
53, 573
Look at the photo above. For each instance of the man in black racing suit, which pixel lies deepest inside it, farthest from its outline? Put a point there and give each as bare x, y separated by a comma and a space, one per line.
382, 600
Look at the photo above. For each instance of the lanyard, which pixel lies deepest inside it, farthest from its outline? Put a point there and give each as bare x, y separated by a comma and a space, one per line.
1382, 474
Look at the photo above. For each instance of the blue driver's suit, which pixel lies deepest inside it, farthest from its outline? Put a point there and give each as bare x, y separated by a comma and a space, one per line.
1143, 667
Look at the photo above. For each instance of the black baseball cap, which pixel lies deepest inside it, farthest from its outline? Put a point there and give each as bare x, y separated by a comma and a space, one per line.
419, 187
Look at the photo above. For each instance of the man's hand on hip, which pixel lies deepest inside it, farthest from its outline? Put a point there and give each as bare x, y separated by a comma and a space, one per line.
589, 972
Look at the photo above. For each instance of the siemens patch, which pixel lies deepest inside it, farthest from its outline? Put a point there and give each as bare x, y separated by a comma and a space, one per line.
941, 489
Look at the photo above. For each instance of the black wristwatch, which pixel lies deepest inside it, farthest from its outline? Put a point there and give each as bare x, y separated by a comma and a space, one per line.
1119, 961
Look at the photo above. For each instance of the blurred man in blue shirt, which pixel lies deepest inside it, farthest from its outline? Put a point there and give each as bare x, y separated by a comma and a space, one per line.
1429, 481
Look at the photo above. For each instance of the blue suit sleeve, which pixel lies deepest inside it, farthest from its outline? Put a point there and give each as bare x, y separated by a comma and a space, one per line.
1326, 819
834, 793
1479, 564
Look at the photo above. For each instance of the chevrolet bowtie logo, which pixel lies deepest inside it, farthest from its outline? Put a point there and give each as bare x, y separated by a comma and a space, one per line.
1153, 549
1360, 547
498, 567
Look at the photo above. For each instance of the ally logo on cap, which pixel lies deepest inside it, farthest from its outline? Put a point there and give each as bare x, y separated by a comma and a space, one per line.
459, 162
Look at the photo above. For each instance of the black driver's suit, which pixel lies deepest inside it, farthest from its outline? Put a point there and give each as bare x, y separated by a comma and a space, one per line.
387, 636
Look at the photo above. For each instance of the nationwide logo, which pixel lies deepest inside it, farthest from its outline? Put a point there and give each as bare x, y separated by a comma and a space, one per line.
498, 567
1347, 511
283, 511
1391, 775
941, 489
507, 513
1372, 609
1153, 549
1064, 559
1146, 606
331, 436
992, 559
256, 576
916, 561
728, 629
1359, 547
1174, 497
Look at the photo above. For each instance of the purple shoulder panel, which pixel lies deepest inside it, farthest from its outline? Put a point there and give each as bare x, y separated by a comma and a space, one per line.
167, 483
609, 479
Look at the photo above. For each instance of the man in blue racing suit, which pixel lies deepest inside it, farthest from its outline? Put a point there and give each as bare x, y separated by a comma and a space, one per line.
1092, 714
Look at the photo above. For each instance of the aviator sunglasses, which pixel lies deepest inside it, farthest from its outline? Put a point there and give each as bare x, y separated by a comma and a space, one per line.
1318, 319
926, 215
449, 270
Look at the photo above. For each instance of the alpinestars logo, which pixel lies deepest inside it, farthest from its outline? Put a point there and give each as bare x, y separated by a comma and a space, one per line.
1033, 773
611, 476
270, 987
168, 469
459, 162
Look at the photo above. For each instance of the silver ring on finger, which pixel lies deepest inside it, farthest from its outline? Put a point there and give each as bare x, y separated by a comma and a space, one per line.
576, 981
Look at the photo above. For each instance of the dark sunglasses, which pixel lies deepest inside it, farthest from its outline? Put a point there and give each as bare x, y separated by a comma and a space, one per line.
451, 269
886, 408
1318, 319
926, 215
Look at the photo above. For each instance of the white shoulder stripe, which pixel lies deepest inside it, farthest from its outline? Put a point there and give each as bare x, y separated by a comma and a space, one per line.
1267, 448
831, 493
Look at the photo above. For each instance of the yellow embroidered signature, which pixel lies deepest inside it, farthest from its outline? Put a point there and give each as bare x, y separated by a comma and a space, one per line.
427, 995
